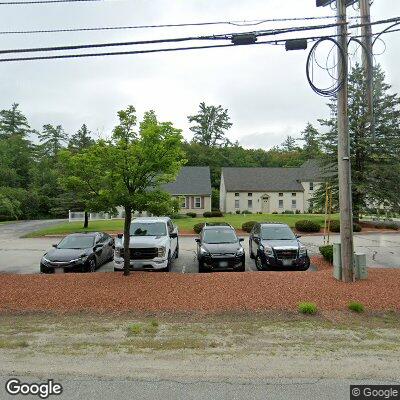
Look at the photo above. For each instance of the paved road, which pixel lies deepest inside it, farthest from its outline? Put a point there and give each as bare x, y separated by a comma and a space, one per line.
282, 389
18, 255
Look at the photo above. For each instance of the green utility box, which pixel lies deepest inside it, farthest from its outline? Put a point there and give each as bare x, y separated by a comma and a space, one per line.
360, 263
337, 261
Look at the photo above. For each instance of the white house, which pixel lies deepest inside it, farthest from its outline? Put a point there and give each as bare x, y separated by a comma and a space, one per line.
269, 190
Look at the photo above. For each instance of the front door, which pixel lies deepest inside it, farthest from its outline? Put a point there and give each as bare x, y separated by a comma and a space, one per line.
265, 205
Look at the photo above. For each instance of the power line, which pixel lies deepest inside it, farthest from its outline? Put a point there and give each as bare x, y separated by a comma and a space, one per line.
18, 3
227, 36
108, 28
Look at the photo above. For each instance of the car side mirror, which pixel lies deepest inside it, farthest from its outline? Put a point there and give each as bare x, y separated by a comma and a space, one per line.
197, 240
241, 239
173, 235
98, 246
120, 235
55, 245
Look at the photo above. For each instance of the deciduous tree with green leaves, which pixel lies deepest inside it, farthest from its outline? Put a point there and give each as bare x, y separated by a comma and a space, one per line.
210, 125
127, 170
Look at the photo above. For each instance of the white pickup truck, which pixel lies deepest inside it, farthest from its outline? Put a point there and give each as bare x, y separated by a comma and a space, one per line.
153, 244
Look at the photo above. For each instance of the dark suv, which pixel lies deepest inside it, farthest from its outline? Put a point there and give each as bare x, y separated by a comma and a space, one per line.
275, 246
218, 248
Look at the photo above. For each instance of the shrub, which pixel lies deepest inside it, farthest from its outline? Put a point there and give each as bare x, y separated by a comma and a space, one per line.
298, 212
308, 308
198, 227
327, 252
213, 214
356, 307
335, 227
246, 212
306, 225
191, 214
383, 225
248, 226
288, 212
275, 212
237, 212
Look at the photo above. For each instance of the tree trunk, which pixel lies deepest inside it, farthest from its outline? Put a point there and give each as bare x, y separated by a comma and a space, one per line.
86, 222
127, 227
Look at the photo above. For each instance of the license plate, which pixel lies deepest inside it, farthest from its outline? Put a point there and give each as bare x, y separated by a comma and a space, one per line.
287, 263
223, 263
58, 270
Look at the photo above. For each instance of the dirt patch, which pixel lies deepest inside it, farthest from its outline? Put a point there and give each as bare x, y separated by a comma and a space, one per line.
210, 293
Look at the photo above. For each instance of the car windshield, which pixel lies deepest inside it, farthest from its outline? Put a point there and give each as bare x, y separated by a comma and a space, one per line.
216, 236
148, 229
277, 233
76, 242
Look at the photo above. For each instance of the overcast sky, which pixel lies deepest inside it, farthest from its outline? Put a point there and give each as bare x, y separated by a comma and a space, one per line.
264, 88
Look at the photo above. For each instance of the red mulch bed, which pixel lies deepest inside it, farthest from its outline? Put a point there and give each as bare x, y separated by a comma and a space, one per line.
171, 292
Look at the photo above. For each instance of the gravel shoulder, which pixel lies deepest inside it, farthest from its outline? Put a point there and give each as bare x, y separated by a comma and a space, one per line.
233, 347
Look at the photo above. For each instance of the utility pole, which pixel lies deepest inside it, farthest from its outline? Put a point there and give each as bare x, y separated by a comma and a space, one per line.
368, 60
344, 163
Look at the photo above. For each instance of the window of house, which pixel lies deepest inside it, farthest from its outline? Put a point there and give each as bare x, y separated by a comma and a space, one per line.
280, 194
294, 194
197, 202
184, 202
280, 203
294, 204
249, 204
237, 204
236, 194
311, 186
250, 194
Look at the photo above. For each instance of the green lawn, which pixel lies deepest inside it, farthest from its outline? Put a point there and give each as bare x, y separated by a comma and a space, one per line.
184, 224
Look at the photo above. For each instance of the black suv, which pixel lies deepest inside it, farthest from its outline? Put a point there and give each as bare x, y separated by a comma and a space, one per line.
274, 245
218, 248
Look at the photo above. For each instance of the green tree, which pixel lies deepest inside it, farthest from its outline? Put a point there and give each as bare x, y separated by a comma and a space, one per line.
128, 169
81, 139
289, 144
13, 123
375, 162
52, 139
311, 147
210, 125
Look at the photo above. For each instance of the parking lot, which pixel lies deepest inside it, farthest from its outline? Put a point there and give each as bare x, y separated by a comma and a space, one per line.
22, 256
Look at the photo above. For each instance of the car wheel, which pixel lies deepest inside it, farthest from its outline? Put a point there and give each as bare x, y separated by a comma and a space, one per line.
259, 264
92, 265
242, 267
305, 268
251, 251
201, 267
169, 263
177, 250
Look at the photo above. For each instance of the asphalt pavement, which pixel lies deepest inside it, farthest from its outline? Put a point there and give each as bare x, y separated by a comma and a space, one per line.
275, 389
22, 256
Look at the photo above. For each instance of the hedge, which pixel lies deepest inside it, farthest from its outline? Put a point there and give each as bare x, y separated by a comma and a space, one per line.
335, 227
327, 252
191, 214
248, 226
306, 225
198, 227
213, 214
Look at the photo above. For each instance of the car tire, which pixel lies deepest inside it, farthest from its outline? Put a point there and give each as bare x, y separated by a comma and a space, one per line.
242, 267
169, 264
259, 264
251, 251
306, 267
92, 265
201, 267
177, 250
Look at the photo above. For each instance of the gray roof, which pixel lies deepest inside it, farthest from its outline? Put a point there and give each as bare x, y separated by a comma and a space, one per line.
270, 179
191, 180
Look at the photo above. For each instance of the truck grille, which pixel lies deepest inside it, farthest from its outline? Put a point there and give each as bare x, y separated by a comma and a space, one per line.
142, 254
286, 254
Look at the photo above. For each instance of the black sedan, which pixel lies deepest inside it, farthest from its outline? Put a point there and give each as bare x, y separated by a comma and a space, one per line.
218, 248
79, 252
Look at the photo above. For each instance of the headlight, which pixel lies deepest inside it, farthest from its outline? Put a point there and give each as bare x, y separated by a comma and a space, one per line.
267, 250
203, 251
161, 252
240, 252
302, 251
45, 259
